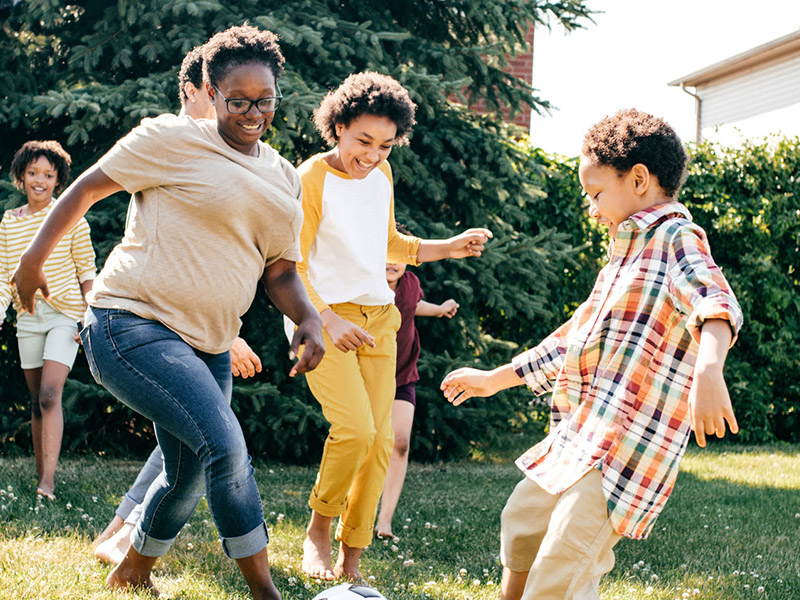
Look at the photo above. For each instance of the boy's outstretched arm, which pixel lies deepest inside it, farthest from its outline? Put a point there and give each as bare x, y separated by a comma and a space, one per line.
469, 243
448, 309
468, 383
709, 401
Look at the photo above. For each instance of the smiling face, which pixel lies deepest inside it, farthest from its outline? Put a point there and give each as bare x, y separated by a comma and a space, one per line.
394, 271
39, 181
363, 144
249, 81
613, 196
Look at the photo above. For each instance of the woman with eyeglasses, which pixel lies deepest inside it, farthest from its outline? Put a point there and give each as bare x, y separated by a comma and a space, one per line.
216, 210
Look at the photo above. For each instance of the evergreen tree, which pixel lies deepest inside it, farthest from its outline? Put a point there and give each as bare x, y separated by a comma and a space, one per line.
87, 72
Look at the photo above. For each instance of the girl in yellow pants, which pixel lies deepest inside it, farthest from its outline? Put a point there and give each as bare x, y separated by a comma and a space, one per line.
348, 236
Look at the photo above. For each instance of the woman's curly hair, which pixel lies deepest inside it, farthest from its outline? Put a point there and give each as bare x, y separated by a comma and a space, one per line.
631, 137
238, 46
367, 93
31, 151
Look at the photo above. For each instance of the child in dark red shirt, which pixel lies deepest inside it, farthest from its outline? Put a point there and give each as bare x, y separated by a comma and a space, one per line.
408, 299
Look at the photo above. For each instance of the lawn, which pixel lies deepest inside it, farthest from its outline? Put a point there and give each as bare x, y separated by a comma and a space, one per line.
731, 531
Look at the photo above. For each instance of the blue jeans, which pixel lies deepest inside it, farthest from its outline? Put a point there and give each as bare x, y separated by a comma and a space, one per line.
186, 394
130, 509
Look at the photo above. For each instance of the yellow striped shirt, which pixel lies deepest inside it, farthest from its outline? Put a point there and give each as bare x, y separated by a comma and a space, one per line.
70, 264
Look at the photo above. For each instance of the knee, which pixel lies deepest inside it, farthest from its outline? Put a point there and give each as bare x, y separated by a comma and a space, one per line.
359, 439
402, 445
49, 398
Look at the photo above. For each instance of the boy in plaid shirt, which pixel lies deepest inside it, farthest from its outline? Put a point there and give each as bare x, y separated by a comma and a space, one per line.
635, 369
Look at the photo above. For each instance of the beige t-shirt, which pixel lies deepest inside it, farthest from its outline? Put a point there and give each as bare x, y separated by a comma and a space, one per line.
205, 222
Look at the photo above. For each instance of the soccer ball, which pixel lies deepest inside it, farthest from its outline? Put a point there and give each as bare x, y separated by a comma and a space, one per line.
349, 591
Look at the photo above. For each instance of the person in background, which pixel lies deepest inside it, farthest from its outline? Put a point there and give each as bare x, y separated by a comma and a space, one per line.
47, 336
408, 299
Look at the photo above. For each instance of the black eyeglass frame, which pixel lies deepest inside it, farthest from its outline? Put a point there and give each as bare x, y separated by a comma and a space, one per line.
256, 102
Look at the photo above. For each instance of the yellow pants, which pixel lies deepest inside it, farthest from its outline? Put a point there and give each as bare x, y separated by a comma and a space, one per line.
356, 391
564, 541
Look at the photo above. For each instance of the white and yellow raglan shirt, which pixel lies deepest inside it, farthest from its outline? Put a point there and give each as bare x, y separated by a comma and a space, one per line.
349, 235
70, 264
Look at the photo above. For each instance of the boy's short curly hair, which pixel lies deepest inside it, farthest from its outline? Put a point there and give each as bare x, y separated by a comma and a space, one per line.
367, 93
31, 151
191, 72
631, 137
238, 46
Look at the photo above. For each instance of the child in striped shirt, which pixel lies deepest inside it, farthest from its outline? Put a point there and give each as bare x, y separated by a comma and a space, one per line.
636, 368
47, 338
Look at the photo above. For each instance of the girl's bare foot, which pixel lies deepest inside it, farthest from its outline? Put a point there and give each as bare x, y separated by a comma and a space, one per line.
113, 550
383, 530
347, 564
133, 572
113, 527
317, 556
46, 493
317, 548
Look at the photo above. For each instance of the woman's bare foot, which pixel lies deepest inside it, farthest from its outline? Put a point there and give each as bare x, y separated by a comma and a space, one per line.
113, 527
347, 564
317, 548
133, 572
113, 550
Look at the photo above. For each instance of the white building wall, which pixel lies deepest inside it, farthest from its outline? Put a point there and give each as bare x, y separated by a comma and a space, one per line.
744, 95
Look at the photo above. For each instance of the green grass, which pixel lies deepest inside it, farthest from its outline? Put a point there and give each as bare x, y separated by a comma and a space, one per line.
730, 531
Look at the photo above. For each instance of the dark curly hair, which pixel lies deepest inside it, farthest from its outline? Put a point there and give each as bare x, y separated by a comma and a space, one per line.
238, 46
631, 137
31, 151
191, 72
366, 93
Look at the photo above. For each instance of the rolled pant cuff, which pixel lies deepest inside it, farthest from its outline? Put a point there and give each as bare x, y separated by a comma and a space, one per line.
325, 509
355, 538
125, 507
149, 546
246, 545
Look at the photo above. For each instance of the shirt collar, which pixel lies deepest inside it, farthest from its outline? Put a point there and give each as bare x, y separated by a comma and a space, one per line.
644, 219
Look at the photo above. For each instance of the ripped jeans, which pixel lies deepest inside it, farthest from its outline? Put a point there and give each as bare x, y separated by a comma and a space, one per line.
186, 393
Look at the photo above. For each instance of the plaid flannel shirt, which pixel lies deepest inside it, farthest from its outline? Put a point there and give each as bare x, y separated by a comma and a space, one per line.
621, 368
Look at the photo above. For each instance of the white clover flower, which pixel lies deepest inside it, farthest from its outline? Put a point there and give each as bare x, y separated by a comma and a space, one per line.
408, 562
427, 525
760, 589
280, 517
476, 582
94, 499
69, 505
395, 548
190, 546
462, 572
308, 585
371, 578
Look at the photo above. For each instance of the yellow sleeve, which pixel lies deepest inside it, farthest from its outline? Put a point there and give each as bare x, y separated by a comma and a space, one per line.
312, 179
5, 272
401, 248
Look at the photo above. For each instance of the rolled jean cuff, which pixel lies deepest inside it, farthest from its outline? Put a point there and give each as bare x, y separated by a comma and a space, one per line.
246, 545
125, 507
149, 546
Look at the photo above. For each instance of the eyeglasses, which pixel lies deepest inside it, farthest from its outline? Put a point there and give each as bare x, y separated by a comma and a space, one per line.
240, 106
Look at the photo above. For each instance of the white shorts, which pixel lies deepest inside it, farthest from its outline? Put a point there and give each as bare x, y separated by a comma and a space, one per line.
46, 335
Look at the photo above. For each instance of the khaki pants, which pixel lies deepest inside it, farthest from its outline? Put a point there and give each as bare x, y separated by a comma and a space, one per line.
564, 541
356, 391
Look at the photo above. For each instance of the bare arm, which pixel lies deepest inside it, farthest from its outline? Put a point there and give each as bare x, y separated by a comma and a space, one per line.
467, 383
89, 188
709, 401
447, 309
285, 289
469, 243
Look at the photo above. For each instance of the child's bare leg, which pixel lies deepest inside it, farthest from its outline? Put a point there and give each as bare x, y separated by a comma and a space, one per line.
257, 574
133, 572
317, 547
47, 421
512, 584
348, 562
113, 550
113, 527
402, 420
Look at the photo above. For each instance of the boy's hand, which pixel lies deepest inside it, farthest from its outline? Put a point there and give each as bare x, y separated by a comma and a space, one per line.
710, 405
466, 383
448, 308
244, 362
469, 243
345, 335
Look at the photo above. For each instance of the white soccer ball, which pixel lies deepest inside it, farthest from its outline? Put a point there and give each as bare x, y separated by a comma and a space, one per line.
349, 591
